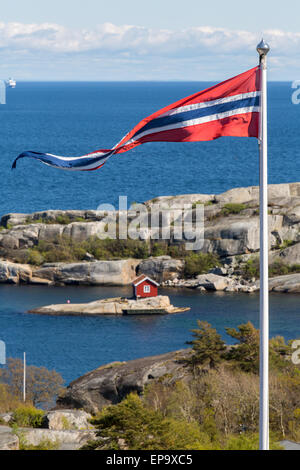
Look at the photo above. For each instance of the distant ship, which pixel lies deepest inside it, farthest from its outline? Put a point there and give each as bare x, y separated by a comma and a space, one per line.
11, 83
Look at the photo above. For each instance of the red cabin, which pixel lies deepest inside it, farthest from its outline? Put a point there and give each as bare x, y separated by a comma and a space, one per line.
143, 286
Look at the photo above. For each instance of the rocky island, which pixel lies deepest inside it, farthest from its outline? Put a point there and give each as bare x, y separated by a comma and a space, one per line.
62, 247
115, 306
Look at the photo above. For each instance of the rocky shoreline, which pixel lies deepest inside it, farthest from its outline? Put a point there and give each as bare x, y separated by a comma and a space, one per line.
231, 233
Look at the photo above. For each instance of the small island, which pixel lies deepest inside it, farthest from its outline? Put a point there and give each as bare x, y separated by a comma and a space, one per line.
145, 301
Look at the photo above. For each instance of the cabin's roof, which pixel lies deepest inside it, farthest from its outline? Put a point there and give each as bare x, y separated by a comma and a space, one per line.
143, 278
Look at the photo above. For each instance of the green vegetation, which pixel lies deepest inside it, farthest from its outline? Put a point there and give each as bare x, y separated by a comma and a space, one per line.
208, 346
135, 426
285, 244
28, 416
199, 263
207, 203
248, 442
7, 227
232, 208
175, 417
62, 219
65, 423
251, 268
278, 268
216, 408
246, 352
65, 249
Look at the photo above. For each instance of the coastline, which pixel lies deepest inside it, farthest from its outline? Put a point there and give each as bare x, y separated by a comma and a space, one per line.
231, 239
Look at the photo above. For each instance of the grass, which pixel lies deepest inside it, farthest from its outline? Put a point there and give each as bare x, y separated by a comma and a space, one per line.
233, 208
59, 219
207, 203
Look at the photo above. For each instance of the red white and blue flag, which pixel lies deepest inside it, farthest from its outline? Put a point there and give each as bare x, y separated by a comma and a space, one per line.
230, 108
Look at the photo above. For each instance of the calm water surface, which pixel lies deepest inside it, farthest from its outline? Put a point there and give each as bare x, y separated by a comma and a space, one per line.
75, 345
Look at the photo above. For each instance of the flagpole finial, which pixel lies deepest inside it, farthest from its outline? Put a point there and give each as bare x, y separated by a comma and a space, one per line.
263, 48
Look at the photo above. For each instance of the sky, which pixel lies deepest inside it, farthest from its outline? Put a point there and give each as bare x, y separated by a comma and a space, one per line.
154, 40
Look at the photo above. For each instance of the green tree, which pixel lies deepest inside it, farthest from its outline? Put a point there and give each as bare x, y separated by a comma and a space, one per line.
208, 346
246, 352
199, 263
131, 425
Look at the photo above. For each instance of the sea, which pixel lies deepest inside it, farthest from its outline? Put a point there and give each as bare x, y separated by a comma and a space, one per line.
74, 118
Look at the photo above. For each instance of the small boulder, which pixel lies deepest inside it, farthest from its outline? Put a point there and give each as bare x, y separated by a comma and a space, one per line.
62, 420
212, 281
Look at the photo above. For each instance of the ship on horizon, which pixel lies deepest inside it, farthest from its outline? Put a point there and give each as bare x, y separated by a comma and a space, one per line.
11, 83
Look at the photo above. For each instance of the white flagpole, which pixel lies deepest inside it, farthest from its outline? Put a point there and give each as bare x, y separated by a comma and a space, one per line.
263, 49
24, 377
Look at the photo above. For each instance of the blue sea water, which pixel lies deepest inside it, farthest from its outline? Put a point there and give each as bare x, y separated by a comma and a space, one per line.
76, 118
75, 345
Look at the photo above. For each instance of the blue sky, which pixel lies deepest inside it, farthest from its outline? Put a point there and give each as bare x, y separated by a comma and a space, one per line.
138, 40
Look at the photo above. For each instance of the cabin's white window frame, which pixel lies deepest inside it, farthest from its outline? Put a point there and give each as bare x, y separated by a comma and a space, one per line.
147, 289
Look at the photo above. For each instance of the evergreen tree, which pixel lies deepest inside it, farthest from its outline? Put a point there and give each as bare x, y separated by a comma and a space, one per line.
208, 346
131, 425
246, 352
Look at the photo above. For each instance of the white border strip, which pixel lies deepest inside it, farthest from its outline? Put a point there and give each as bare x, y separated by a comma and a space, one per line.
194, 122
206, 104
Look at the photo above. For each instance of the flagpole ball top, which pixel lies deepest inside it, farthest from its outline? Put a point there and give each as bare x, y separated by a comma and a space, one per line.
263, 48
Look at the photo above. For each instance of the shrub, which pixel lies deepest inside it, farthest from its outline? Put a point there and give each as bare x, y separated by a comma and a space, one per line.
62, 219
110, 248
177, 251
28, 416
159, 249
286, 244
251, 268
200, 263
278, 268
34, 257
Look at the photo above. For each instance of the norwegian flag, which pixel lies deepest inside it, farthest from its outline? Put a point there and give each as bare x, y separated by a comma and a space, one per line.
230, 108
